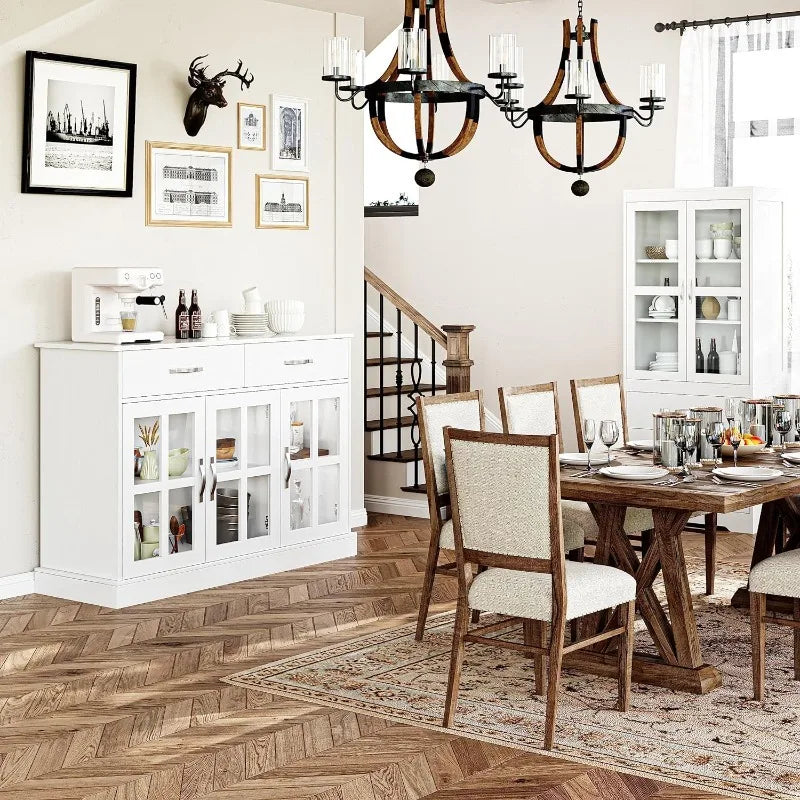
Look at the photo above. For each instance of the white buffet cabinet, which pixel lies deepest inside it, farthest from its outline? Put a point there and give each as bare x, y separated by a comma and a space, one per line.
267, 504
754, 278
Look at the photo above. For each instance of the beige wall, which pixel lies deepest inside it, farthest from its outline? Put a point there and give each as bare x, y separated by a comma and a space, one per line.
43, 237
500, 241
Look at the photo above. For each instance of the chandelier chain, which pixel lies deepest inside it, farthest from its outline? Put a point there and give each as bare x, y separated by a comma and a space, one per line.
580, 8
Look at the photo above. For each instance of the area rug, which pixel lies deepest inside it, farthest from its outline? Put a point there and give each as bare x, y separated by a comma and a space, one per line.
722, 742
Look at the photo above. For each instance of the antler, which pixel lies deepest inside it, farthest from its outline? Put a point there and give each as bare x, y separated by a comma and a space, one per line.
197, 72
237, 74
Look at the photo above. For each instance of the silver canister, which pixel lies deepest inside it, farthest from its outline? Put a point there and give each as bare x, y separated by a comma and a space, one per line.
791, 402
707, 415
758, 419
665, 451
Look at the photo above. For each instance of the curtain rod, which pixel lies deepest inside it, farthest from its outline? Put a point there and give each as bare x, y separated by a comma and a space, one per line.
695, 23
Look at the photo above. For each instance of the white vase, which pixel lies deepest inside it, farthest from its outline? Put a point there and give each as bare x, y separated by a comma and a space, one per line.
149, 471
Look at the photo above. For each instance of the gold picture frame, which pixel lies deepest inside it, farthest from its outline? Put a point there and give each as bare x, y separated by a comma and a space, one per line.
264, 118
181, 211
271, 218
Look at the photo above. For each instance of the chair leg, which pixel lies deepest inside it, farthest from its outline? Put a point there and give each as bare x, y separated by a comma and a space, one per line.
758, 608
536, 634
627, 617
556, 655
711, 552
476, 614
427, 585
456, 660
797, 641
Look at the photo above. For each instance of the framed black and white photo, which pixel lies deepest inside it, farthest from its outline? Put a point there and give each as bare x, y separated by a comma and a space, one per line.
289, 134
281, 202
78, 125
252, 127
188, 185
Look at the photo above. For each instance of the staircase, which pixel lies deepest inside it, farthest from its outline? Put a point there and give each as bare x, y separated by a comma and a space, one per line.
406, 356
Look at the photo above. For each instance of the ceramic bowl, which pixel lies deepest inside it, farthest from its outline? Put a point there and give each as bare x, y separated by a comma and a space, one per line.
745, 450
285, 316
704, 248
178, 461
226, 449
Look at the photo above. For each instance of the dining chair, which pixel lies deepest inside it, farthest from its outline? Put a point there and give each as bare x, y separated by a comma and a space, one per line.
505, 492
463, 410
533, 410
604, 398
778, 575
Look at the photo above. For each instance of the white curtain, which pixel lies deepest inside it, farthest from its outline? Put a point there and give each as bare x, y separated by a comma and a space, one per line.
739, 124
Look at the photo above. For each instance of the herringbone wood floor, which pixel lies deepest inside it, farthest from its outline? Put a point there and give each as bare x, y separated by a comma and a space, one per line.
98, 704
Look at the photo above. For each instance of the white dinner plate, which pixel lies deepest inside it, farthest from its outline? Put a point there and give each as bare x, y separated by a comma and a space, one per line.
580, 459
642, 444
793, 458
757, 474
635, 473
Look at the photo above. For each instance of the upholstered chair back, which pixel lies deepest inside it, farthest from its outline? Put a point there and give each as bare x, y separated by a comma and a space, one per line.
505, 493
463, 410
600, 399
530, 410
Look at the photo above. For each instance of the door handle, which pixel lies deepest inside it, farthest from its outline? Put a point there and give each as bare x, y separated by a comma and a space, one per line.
202, 480
288, 475
298, 362
214, 476
185, 370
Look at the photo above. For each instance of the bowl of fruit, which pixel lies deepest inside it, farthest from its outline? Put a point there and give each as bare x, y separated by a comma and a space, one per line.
750, 446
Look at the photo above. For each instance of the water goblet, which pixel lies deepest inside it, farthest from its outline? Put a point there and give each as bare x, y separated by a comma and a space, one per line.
589, 436
691, 439
716, 436
736, 440
782, 421
609, 433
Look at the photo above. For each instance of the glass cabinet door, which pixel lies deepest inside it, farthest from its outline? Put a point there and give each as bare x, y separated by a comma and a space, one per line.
242, 439
163, 511
314, 451
718, 249
655, 296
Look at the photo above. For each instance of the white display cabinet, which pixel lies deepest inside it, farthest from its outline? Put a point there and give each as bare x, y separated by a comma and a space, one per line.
660, 349
225, 493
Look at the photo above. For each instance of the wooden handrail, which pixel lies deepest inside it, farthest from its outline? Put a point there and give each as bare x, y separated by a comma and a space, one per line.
435, 332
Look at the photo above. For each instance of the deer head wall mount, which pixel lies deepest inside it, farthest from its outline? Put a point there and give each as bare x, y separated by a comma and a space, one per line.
208, 92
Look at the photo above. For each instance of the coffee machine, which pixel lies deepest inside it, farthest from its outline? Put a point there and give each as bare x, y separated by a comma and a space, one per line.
106, 300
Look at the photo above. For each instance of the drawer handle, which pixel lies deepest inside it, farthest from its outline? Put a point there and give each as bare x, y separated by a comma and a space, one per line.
186, 370
298, 362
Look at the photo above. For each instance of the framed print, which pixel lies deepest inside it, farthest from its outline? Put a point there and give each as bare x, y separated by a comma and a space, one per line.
78, 125
252, 127
289, 134
281, 202
188, 185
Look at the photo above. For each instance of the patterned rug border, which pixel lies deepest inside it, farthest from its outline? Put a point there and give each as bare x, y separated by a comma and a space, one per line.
685, 780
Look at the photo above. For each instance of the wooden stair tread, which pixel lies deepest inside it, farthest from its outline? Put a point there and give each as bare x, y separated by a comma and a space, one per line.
391, 360
389, 424
391, 391
421, 489
405, 456
378, 334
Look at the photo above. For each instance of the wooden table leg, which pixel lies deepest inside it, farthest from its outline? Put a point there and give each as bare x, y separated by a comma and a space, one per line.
711, 551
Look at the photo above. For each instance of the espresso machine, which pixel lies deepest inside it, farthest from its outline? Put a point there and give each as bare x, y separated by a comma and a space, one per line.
106, 301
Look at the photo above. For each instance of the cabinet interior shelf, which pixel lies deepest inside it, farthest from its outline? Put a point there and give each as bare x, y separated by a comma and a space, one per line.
146, 487
669, 291
717, 291
656, 260
673, 320
718, 260
718, 321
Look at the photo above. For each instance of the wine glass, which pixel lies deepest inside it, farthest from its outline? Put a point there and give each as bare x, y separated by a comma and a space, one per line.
736, 440
679, 437
589, 436
782, 420
691, 439
716, 436
732, 410
609, 433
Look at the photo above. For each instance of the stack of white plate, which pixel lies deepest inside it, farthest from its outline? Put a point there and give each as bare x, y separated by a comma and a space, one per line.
665, 362
661, 314
250, 324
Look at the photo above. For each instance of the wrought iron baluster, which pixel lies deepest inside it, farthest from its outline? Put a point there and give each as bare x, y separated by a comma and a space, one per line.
433, 366
398, 380
416, 379
366, 351
380, 380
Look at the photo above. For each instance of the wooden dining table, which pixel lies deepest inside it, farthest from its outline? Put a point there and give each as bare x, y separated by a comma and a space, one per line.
677, 662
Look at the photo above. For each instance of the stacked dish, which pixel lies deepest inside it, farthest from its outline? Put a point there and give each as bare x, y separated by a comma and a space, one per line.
228, 515
665, 362
662, 307
285, 316
250, 324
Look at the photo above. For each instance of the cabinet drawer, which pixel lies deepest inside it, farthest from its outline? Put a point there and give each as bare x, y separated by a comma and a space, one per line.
182, 369
272, 363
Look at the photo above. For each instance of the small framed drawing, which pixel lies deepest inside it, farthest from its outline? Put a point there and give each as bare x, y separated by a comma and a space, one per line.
78, 125
289, 134
188, 185
252, 127
281, 202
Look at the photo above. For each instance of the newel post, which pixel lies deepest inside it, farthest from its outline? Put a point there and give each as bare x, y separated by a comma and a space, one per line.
458, 363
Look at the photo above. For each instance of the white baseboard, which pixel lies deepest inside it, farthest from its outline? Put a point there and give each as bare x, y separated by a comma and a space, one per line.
396, 505
358, 517
16, 585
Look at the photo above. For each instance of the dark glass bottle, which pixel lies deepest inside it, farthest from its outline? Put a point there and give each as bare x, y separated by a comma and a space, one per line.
195, 318
700, 359
182, 318
713, 359
666, 281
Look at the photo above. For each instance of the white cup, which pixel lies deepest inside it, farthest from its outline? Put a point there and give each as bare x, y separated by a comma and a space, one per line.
734, 309
722, 248
253, 307
223, 320
210, 330
704, 248
252, 295
671, 246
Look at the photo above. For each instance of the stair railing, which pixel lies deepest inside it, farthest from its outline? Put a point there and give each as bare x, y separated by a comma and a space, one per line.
452, 340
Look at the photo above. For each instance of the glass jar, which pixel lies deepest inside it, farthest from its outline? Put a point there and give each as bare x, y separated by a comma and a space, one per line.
757, 419
666, 426
707, 415
791, 402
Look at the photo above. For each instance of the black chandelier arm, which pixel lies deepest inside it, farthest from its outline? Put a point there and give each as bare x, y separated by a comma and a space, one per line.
518, 118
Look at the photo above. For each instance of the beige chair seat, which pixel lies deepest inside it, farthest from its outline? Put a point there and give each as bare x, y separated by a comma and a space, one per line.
637, 520
575, 531
778, 575
590, 588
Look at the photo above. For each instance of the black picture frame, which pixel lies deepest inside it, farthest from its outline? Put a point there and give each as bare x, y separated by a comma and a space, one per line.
31, 56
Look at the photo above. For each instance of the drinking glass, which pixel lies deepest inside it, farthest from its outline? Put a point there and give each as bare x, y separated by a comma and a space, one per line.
736, 440
609, 433
731, 407
589, 436
679, 437
716, 436
782, 421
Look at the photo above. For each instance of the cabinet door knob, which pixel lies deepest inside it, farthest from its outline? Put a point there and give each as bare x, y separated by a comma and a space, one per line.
288, 475
298, 362
185, 370
214, 476
202, 480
